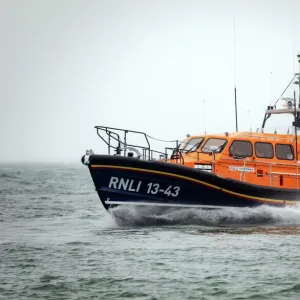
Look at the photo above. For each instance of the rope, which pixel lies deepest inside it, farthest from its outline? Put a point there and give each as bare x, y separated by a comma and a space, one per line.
153, 138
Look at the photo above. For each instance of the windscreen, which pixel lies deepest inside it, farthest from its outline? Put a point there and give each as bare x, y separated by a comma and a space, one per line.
213, 145
193, 144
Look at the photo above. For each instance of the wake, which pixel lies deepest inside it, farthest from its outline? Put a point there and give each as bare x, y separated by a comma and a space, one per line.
158, 216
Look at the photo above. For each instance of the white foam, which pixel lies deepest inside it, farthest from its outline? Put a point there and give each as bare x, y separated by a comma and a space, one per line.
147, 216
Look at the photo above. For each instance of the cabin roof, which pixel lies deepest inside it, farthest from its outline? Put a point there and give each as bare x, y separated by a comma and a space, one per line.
254, 136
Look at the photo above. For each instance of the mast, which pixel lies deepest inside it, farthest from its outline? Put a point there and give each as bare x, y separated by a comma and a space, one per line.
204, 110
236, 120
298, 56
296, 123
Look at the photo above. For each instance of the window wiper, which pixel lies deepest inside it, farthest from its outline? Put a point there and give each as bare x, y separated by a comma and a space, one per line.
211, 151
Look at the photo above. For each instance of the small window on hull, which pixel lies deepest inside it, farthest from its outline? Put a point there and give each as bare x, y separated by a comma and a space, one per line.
264, 150
241, 148
284, 151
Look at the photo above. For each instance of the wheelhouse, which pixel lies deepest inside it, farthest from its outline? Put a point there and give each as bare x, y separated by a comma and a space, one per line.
256, 158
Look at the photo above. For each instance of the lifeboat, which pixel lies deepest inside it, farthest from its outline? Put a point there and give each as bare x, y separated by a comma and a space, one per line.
239, 169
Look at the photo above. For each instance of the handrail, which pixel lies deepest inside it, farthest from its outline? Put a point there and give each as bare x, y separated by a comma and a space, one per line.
122, 144
263, 162
271, 173
106, 129
265, 137
283, 173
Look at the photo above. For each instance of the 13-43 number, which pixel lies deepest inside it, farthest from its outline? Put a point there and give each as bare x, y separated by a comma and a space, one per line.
154, 188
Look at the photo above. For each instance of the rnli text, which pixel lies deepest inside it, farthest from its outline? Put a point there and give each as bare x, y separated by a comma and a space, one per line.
124, 184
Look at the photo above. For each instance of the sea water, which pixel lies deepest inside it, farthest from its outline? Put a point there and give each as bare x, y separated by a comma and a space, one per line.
58, 242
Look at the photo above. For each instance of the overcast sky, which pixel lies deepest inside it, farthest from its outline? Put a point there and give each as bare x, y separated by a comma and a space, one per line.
67, 66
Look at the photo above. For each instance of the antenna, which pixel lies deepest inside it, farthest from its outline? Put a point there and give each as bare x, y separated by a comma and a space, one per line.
271, 88
235, 101
294, 67
249, 121
204, 110
294, 51
298, 56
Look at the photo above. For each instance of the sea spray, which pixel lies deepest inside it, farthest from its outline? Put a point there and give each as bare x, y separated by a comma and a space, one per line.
157, 216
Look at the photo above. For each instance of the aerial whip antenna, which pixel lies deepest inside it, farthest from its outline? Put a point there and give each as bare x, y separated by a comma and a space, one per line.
294, 51
271, 88
204, 110
249, 120
235, 101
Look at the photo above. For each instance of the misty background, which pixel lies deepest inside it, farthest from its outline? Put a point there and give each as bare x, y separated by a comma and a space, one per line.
67, 66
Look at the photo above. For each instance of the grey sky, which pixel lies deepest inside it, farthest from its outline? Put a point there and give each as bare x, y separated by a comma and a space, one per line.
147, 65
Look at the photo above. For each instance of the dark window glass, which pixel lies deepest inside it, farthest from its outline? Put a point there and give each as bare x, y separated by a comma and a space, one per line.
193, 144
241, 148
214, 145
264, 150
284, 151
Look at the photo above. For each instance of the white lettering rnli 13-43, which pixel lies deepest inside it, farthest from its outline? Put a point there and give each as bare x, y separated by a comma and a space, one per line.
131, 185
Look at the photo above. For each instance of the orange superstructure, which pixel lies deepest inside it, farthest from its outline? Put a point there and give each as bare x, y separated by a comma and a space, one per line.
257, 158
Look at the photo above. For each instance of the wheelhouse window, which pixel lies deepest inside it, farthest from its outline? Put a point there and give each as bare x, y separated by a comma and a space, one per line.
193, 144
182, 144
284, 151
214, 145
241, 148
264, 150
